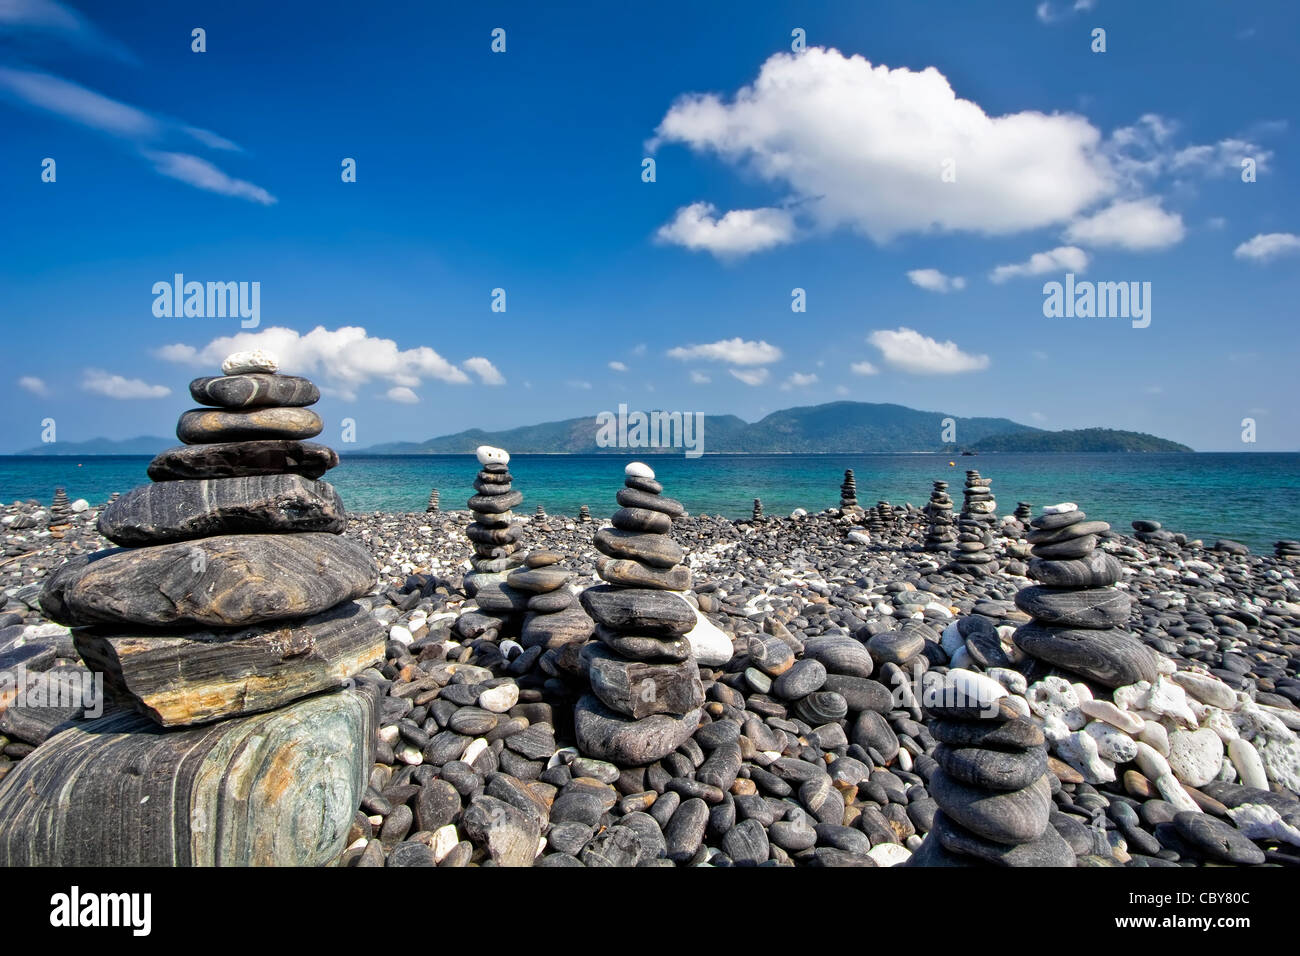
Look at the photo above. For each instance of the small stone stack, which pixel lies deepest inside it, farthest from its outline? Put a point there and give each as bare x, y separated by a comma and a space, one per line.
975, 528
849, 492
1024, 512
758, 510
231, 594
991, 783
433, 502
646, 694
875, 520
941, 534
60, 509
554, 618
1078, 615
584, 516
539, 515
494, 536
1287, 550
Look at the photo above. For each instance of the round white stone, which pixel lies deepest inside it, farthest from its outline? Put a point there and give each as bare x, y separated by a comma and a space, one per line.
639, 469
487, 454
499, 699
1195, 756
256, 360
1063, 508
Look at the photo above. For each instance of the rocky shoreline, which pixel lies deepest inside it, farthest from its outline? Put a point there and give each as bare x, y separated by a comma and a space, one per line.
815, 745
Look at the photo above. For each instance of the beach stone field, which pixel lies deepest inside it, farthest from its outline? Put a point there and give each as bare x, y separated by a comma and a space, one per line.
855, 686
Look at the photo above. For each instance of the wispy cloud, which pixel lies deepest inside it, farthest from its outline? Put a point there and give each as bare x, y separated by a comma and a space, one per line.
750, 376
863, 368
1068, 258
36, 386
735, 351
116, 386
145, 132
799, 380
618, 366
1268, 246
487, 372
39, 19
699, 378
932, 280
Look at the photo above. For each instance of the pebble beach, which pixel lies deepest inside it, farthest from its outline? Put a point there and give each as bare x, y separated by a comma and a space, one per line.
813, 742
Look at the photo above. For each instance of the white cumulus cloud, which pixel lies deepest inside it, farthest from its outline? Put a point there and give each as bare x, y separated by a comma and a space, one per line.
1060, 259
485, 370
618, 366
736, 233
863, 368
341, 360
750, 376
116, 386
699, 378
799, 380
735, 351
933, 280
36, 386
402, 394
1138, 224
911, 351
849, 143
1267, 246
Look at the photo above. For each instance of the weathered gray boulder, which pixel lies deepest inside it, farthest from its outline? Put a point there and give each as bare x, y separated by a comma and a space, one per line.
227, 581
180, 510
200, 676
253, 390
273, 789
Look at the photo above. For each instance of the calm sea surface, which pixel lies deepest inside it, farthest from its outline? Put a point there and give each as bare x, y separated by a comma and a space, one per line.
1254, 498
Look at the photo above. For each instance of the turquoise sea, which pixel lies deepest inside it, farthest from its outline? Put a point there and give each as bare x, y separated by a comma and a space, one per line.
1254, 498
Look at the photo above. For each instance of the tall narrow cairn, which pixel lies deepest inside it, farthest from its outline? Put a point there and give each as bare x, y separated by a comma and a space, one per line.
758, 509
584, 515
60, 508
539, 515
646, 695
433, 502
975, 527
231, 595
1078, 614
849, 492
1024, 512
494, 536
941, 534
992, 784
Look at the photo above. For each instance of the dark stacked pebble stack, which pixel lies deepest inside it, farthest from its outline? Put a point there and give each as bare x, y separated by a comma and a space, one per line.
584, 515
238, 551
646, 690
992, 782
1287, 550
432, 507
849, 492
975, 528
553, 617
941, 534
495, 539
60, 509
1024, 512
1078, 615
539, 515
758, 509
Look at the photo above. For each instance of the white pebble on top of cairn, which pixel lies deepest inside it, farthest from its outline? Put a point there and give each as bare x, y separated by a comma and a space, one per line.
494, 536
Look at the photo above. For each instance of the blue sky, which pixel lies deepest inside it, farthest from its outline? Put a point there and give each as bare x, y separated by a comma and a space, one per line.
821, 170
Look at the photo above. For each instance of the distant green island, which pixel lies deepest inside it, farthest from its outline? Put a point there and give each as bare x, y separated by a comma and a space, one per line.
833, 428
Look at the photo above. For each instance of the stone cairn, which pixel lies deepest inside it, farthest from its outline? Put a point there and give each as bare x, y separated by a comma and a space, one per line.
495, 541
849, 492
60, 508
875, 520
584, 515
941, 535
975, 527
1024, 512
992, 782
539, 515
646, 695
433, 502
758, 509
230, 604
553, 617
1287, 550
1078, 615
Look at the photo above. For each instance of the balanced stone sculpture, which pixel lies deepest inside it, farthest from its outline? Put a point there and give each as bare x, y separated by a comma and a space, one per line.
646, 695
